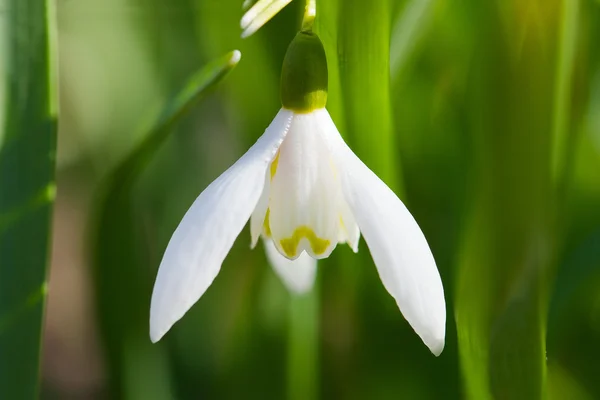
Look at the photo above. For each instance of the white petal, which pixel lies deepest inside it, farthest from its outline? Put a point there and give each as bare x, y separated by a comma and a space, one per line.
297, 275
304, 194
209, 228
397, 245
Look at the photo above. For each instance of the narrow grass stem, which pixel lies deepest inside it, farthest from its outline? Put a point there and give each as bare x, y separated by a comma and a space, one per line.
303, 346
562, 90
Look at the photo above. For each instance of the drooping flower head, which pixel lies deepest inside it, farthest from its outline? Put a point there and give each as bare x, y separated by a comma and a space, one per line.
305, 192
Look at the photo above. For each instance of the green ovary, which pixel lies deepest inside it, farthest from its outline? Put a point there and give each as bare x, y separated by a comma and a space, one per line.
317, 244
304, 74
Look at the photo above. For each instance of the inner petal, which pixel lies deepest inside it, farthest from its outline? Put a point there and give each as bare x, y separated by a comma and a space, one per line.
304, 198
260, 216
306, 238
348, 232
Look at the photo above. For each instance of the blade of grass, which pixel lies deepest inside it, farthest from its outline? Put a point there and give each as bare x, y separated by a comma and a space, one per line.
27, 190
509, 243
303, 345
573, 319
197, 86
364, 49
579, 269
562, 89
138, 369
326, 26
254, 91
408, 27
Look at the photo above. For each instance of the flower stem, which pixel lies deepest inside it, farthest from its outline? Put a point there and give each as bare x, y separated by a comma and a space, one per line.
310, 11
303, 346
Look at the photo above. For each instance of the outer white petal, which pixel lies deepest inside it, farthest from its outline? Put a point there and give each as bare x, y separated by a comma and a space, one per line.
398, 247
297, 275
209, 228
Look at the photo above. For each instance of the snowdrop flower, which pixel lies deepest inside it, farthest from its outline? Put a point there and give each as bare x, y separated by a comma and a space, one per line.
305, 192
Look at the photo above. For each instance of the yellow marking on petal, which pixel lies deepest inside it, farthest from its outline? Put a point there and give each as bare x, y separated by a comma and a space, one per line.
266, 225
317, 244
274, 165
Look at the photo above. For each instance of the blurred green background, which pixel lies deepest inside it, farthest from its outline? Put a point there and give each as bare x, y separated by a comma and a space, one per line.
484, 116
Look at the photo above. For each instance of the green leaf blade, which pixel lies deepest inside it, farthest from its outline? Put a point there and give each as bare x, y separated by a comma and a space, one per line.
510, 242
364, 48
195, 88
123, 281
27, 191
